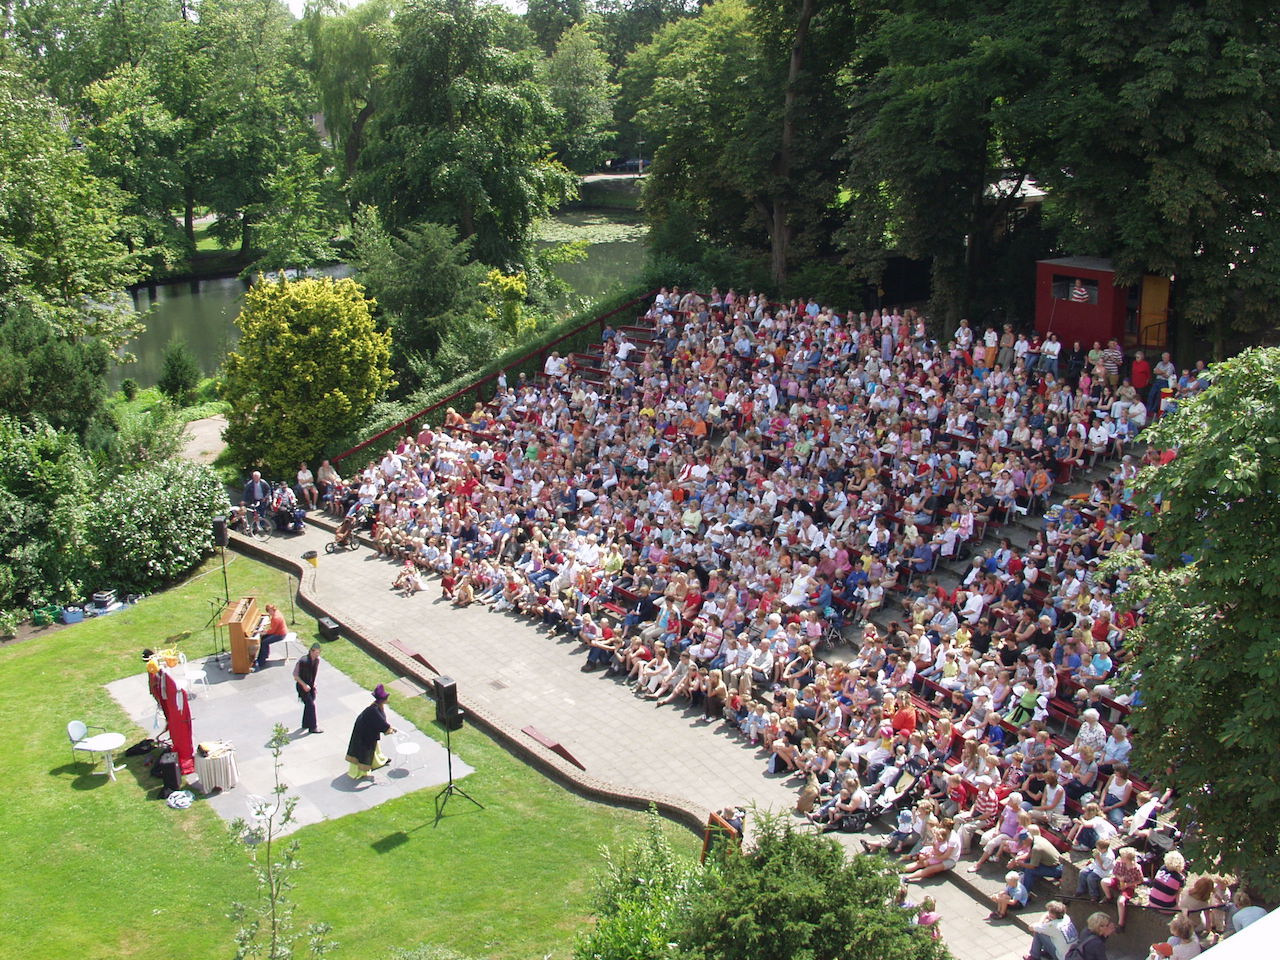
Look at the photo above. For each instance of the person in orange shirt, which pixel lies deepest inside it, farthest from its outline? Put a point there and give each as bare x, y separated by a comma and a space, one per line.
276, 630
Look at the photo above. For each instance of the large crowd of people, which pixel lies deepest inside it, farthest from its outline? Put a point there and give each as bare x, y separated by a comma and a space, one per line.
716, 498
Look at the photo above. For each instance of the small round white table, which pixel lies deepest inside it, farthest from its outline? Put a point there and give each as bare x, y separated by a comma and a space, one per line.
106, 744
404, 750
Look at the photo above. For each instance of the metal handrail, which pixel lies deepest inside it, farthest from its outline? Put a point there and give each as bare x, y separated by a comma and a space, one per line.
541, 354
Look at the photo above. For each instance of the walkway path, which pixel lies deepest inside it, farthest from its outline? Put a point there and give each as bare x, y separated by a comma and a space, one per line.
203, 439
522, 676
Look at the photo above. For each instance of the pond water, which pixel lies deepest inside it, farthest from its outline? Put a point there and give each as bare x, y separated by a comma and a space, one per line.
204, 313
615, 251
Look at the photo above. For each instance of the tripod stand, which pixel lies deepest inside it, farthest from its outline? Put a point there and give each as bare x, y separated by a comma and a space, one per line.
450, 788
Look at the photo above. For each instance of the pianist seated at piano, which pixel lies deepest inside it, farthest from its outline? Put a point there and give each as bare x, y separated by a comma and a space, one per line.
274, 630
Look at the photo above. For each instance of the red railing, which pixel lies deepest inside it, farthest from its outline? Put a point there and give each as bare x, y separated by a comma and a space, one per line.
540, 353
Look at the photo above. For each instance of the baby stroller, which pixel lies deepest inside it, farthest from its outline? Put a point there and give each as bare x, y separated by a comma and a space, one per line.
344, 538
905, 791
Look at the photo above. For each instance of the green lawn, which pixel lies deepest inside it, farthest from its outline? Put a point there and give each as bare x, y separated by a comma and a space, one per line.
93, 869
206, 403
205, 242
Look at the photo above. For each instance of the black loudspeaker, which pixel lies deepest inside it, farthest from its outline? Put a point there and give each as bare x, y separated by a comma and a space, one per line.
220, 531
166, 768
329, 628
446, 700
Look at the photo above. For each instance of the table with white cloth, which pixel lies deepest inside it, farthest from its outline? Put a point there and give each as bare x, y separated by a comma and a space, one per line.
217, 771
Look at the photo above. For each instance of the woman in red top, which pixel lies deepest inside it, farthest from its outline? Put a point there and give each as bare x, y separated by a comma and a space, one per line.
904, 718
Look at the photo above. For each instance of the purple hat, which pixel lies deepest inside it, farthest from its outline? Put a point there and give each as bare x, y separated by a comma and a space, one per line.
380, 693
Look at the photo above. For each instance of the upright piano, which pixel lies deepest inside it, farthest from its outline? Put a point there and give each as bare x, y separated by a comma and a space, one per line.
244, 628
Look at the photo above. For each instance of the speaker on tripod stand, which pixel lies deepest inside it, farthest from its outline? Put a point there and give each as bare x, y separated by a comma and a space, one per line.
450, 716
221, 538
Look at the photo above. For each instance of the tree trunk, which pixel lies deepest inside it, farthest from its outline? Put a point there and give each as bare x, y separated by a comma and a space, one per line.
189, 212
779, 243
780, 227
245, 236
355, 140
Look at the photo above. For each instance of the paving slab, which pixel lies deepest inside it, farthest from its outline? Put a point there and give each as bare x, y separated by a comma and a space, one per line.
244, 711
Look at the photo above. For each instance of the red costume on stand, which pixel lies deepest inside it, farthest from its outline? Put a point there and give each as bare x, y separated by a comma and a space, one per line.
174, 704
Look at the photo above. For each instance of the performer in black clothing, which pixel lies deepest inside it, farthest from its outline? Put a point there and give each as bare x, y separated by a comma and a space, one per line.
363, 751
304, 681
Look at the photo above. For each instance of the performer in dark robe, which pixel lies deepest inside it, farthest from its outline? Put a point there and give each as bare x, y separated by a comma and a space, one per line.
364, 752
304, 681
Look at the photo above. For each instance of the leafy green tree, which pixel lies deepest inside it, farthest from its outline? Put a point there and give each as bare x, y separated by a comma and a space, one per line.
131, 139
60, 226
255, 107
295, 224
47, 376
794, 893
550, 19
625, 25
46, 480
179, 372
462, 135
72, 44
425, 283
954, 100
1205, 655
745, 117
309, 364
1163, 152
578, 83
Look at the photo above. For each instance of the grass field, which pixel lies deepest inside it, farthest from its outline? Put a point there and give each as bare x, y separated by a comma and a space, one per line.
206, 403
99, 869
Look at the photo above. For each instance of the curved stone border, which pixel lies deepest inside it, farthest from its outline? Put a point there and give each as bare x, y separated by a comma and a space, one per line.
551, 765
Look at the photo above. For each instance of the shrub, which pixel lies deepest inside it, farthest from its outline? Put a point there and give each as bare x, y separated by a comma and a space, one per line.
148, 528
145, 438
640, 896
129, 387
310, 364
179, 373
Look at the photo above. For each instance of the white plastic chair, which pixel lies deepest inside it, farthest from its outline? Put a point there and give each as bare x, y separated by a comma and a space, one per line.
77, 733
193, 674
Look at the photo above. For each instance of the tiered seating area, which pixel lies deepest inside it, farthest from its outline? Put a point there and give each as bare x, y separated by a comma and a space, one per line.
720, 491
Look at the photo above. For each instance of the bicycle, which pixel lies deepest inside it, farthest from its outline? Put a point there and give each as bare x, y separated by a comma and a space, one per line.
250, 522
